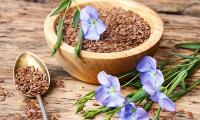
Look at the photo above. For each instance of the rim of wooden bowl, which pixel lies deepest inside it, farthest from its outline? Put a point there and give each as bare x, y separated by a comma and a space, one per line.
145, 12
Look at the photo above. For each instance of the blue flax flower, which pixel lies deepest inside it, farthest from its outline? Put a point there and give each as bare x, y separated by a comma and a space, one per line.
152, 79
109, 92
164, 102
91, 25
130, 112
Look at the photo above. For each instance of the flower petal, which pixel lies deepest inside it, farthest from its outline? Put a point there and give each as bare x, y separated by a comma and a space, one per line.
101, 93
84, 15
100, 26
103, 79
149, 88
166, 103
156, 81
159, 78
146, 64
89, 13
92, 34
146, 77
114, 82
141, 114
114, 100
155, 97
126, 111
85, 25
131, 117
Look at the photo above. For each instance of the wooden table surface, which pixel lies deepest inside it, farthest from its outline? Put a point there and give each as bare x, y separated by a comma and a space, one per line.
21, 29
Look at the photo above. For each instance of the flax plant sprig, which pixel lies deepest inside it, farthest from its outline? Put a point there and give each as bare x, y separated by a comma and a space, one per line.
91, 26
63, 6
173, 77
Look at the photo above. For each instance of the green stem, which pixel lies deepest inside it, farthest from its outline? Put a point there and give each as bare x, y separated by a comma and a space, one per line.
157, 115
129, 74
131, 80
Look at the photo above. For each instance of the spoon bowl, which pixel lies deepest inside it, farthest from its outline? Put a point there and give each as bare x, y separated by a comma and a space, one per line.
29, 59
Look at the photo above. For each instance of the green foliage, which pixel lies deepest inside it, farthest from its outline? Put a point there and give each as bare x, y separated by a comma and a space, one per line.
177, 80
157, 115
62, 6
59, 36
140, 94
184, 56
78, 46
80, 104
91, 113
111, 113
192, 46
174, 76
76, 18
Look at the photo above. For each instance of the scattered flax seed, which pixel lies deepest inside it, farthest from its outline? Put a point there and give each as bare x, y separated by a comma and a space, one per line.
125, 30
78, 95
16, 117
31, 81
1, 80
32, 109
95, 104
188, 114
57, 83
4, 93
54, 116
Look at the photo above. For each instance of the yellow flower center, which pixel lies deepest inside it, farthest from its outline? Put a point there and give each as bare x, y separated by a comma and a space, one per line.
113, 89
93, 21
153, 74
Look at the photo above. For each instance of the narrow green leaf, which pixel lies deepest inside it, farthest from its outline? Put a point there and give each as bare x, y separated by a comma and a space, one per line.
181, 93
88, 94
157, 115
170, 76
193, 46
130, 94
184, 56
140, 94
62, 6
78, 46
169, 72
194, 84
163, 65
81, 103
127, 83
183, 84
181, 76
111, 113
129, 74
148, 105
92, 113
59, 36
195, 65
76, 18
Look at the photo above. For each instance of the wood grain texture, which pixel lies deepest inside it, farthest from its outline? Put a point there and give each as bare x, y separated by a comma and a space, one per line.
112, 63
21, 29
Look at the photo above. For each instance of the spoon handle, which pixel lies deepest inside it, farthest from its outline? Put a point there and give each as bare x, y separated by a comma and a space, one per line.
42, 107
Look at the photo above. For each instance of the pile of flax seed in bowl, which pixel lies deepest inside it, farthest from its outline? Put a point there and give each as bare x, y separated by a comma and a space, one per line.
31, 81
125, 30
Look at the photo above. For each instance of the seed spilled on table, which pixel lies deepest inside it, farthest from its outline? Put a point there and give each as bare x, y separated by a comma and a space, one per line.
31, 81
4, 93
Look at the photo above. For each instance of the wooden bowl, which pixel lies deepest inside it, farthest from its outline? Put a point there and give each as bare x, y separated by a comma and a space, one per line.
90, 64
